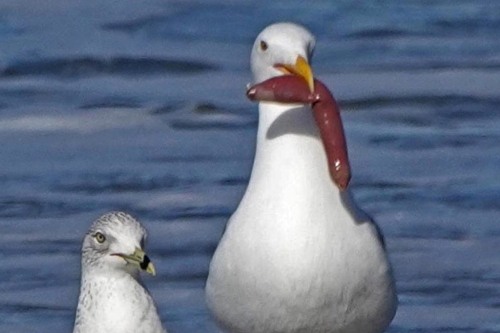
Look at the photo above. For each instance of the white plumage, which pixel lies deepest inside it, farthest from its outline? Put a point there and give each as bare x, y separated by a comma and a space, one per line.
297, 255
112, 297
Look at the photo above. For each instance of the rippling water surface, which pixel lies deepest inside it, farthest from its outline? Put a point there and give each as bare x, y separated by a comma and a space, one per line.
140, 106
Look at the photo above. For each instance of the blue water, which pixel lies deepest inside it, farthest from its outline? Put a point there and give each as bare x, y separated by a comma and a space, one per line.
140, 106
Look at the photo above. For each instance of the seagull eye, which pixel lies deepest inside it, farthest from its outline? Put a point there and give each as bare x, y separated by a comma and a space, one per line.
263, 45
100, 237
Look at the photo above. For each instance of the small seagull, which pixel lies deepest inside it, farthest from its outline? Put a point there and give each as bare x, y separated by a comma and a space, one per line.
112, 297
297, 256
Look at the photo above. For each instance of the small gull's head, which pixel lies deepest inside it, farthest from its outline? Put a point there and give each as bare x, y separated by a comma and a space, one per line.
115, 242
283, 48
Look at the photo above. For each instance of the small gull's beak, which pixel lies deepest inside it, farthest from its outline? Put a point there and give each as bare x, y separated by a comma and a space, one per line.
300, 68
139, 259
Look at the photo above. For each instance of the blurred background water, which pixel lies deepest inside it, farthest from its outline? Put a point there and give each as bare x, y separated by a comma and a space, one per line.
140, 106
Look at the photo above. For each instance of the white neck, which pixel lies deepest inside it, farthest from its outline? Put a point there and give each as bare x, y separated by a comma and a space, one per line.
115, 284
105, 305
289, 154
290, 184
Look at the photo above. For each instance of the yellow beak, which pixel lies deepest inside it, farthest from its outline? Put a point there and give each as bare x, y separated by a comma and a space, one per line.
140, 259
300, 68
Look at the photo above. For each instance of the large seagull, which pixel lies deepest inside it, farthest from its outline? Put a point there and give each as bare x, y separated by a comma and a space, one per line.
298, 255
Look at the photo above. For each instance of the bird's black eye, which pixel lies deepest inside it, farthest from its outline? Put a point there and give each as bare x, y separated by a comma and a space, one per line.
100, 237
263, 45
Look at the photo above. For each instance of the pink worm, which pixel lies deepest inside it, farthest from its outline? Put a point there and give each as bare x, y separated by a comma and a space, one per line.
294, 89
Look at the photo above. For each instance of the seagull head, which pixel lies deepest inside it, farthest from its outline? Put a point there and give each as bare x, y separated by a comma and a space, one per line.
283, 48
115, 242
